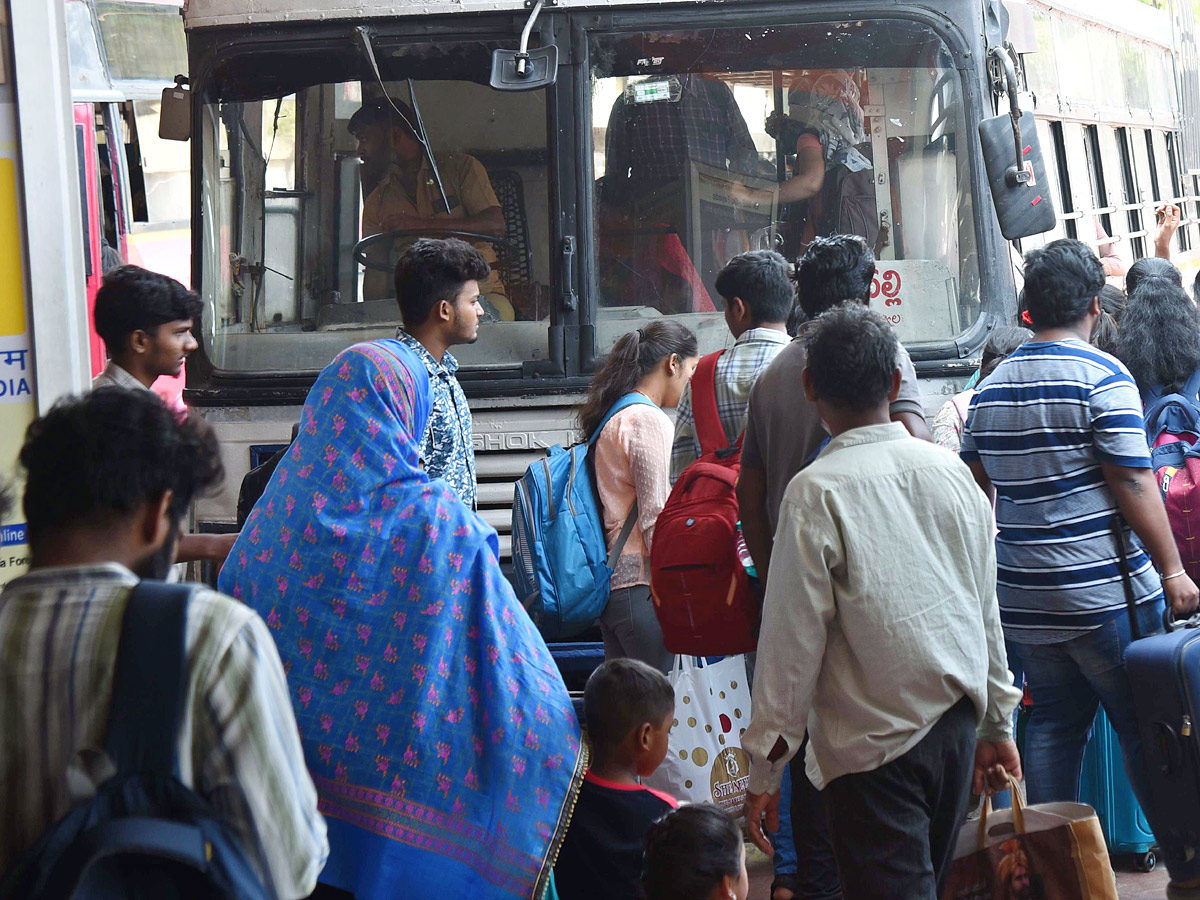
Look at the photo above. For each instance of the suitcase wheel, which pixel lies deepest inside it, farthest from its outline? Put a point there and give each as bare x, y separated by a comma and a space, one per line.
1147, 861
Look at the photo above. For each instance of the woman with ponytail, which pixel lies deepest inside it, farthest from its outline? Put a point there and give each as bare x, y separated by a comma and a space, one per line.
632, 459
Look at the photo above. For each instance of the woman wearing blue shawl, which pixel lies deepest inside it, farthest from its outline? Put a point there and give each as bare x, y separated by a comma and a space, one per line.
436, 726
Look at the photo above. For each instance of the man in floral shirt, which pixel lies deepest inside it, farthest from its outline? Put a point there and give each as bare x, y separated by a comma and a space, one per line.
437, 287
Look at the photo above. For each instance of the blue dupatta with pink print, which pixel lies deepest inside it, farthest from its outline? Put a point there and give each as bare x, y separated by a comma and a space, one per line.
436, 726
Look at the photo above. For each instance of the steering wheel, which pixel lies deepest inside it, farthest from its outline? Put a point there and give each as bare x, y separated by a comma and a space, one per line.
503, 245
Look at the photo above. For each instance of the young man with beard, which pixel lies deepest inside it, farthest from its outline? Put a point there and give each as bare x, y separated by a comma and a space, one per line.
108, 478
437, 288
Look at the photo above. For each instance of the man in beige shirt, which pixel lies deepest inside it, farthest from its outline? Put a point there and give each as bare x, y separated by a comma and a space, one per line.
881, 633
406, 196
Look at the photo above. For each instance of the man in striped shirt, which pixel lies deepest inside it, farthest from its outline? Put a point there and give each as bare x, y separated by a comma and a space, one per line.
758, 297
1056, 433
108, 479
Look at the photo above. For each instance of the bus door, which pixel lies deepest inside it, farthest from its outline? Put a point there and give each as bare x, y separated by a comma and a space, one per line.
88, 162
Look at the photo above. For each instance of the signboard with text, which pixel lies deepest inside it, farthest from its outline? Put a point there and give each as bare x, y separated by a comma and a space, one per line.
16, 359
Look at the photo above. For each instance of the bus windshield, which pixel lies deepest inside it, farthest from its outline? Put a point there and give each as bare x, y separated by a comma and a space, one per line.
310, 192
702, 144
714, 141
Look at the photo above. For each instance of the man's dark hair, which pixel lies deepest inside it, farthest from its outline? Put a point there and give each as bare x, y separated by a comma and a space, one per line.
833, 270
135, 299
760, 278
380, 113
432, 270
1061, 280
852, 357
95, 459
621, 695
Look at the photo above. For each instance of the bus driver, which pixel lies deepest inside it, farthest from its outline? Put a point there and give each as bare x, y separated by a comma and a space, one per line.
406, 195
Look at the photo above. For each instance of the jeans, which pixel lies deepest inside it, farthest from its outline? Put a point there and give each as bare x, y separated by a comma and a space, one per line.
781, 840
894, 828
816, 869
1067, 683
630, 628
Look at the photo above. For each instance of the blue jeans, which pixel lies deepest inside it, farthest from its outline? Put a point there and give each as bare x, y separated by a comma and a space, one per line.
1067, 683
781, 840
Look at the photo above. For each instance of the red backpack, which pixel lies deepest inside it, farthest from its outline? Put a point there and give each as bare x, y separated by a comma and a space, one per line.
1172, 422
702, 593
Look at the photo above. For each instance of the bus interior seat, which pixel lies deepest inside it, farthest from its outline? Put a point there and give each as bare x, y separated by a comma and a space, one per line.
514, 261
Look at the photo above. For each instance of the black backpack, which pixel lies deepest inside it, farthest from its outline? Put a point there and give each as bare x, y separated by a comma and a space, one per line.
144, 834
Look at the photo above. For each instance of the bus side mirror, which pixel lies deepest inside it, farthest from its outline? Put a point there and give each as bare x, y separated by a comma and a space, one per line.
1019, 186
1013, 159
524, 69
513, 70
175, 114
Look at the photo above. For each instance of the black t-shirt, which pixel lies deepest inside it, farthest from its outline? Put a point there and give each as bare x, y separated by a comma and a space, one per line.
601, 856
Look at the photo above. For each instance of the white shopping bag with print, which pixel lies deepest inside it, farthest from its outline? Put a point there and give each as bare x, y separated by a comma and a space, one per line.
705, 761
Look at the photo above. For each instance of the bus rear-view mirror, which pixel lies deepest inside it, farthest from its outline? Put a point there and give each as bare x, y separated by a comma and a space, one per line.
513, 70
1016, 173
175, 114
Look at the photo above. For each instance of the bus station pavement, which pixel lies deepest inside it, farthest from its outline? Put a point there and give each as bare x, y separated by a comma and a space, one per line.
1131, 885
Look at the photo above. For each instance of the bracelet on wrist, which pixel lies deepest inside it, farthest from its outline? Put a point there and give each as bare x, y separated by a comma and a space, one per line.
1173, 575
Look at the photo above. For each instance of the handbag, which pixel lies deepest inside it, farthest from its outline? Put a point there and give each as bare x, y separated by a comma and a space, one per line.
1052, 851
705, 762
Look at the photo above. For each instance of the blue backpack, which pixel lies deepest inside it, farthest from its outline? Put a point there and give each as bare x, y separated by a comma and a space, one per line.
561, 564
144, 834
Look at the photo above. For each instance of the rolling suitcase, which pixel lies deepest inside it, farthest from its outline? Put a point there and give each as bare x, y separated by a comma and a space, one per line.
1164, 673
1104, 786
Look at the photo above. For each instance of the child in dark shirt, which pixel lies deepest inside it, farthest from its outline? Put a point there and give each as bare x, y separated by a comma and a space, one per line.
629, 707
695, 853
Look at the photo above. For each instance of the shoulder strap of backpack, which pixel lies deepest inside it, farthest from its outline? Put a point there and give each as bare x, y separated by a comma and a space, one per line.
707, 414
623, 537
150, 680
631, 399
1191, 387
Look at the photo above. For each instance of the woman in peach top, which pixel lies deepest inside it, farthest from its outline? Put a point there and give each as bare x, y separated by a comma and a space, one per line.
633, 463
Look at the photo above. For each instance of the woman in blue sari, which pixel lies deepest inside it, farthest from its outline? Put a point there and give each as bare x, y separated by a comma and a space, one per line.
436, 726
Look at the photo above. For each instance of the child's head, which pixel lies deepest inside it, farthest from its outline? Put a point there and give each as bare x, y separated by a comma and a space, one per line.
695, 852
852, 354
629, 707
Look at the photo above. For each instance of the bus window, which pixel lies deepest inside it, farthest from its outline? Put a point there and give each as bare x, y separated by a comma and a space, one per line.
711, 142
160, 187
1179, 191
1147, 189
290, 276
1161, 163
1050, 153
1132, 189
143, 42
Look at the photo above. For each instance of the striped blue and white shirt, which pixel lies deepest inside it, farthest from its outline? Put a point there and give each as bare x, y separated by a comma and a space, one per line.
1041, 425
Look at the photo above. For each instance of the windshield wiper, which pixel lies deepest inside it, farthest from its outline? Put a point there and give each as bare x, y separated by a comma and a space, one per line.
418, 127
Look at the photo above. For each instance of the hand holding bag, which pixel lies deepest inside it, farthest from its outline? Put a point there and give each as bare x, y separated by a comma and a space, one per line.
705, 761
1052, 851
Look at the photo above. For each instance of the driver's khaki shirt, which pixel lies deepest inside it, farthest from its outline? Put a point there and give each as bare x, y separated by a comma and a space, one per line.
468, 192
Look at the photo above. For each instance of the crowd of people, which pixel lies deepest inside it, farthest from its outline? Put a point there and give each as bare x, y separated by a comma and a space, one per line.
370, 710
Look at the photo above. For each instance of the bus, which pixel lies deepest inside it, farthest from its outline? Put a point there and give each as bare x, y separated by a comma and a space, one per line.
134, 187
44, 350
607, 227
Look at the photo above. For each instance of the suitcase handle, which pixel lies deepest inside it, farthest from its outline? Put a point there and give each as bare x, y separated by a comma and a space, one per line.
1170, 748
1173, 624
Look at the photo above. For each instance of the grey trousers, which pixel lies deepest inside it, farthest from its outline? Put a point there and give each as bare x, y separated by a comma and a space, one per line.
631, 629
